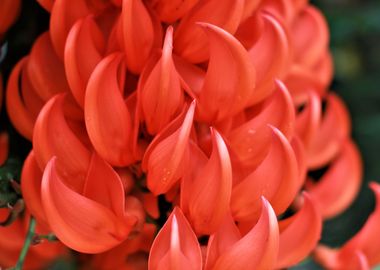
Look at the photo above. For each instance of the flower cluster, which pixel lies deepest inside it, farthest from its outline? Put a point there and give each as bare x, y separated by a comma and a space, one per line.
196, 119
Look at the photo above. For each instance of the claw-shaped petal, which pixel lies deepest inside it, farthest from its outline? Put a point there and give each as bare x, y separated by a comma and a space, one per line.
361, 249
53, 137
310, 36
83, 51
46, 81
212, 187
230, 77
175, 246
138, 34
270, 55
331, 134
31, 177
164, 160
90, 222
250, 141
190, 41
299, 234
23, 105
258, 249
161, 93
63, 16
338, 187
107, 118
276, 178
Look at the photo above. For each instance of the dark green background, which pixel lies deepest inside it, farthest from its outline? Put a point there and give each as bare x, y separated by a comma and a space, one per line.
355, 43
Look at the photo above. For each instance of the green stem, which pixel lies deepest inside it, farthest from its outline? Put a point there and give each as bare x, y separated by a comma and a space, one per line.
28, 241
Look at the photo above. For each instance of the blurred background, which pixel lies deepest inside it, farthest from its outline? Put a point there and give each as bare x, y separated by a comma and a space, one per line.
355, 43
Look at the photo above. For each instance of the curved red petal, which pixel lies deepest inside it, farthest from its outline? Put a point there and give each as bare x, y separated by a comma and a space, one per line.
108, 121
84, 49
21, 117
230, 77
310, 36
333, 131
46, 81
9, 10
164, 160
279, 185
258, 249
138, 33
212, 187
299, 234
250, 141
175, 246
63, 16
270, 55
190, 41
79, 222
219, 242
338, 187
161, 93
31, 177
53, 137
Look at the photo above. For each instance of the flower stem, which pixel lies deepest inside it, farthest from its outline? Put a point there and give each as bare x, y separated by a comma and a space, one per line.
25, 248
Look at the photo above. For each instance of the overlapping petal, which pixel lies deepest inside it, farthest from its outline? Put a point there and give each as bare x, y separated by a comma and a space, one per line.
230, 77
299, 234
175, 246
108, 120
165, 159
338, 187
276, 178
161, 93
54, 137
98, 221
211, 185
84, 49
270, 55
257, 249
190, 41
138, 34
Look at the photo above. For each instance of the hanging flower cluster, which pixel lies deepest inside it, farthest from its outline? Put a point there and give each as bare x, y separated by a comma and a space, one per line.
179, 135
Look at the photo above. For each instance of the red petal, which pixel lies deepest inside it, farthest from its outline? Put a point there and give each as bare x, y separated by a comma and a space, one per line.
333, 131
4, 147
164, 160
219, 242
212, 187
338, 187
170, 11
79, 222
138, 33
230, 77
53, 137
308, 121
46, 81
83, 51
63, 16
46, 4
104, 186
310, 36
21, 116
161, 93
108, 120
271, 57
258, 249
299, 234
276, 178
176, 246
250, 141
190, 41
31, 177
